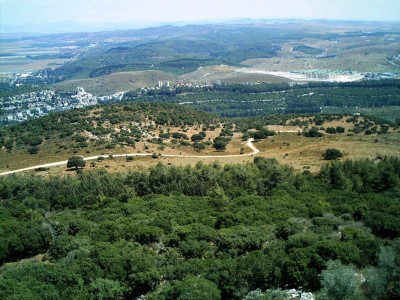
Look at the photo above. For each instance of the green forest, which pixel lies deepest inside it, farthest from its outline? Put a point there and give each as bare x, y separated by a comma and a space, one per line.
176, 50
249, 100
249, 231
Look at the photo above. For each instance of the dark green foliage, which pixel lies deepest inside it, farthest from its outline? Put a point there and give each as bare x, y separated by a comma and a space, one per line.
106, 289
313, 133
191, 288
262, 134
130, 158
220, 143
331, 130
331, 154
197, 137
33, 150
76, 162
179, 135
202, 232
340, 129
307, 50
242, 100
106, 70
199, 146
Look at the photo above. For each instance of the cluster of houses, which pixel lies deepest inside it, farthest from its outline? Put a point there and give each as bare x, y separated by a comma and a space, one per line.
35, 104
26, 106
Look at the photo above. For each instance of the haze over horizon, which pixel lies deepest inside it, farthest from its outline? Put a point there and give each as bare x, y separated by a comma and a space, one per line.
24, 13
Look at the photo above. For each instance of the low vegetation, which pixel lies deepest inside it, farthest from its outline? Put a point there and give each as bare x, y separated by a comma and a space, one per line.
331, 154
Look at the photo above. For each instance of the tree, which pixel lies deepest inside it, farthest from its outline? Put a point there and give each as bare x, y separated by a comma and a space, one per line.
220, 143
375, 283
340, 129
9, 144
192, 287
262, 134
76, 162
199, 146
339, 282
197, 137
331, 130
313, 132
331, 154
103, 289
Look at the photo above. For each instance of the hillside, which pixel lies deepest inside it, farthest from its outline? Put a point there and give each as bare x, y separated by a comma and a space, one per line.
117, 82
203, 232
106, 129
255, 49
180, 135
260, 99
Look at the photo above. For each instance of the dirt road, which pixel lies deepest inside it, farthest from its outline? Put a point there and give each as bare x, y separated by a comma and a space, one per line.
249, 144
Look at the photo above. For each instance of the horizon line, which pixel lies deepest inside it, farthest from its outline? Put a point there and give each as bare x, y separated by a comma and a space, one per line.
156, 23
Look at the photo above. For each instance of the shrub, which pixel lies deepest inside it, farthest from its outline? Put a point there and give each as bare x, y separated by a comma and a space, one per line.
33, 150
331, 154
313, 132
76, 162
331, 130
340, 129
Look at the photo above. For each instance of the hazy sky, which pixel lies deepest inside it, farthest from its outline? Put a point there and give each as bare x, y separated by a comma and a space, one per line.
118, 11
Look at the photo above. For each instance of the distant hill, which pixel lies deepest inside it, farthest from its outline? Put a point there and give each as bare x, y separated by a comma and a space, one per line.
117, 82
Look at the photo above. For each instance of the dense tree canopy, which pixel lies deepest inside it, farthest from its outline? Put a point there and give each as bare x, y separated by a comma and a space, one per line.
203, 232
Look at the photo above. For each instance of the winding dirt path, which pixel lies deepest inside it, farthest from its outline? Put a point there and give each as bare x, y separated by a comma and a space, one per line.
249, 144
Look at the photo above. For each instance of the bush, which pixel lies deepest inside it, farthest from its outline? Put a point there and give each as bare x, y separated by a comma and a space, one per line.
262, 134
331, 130
340, 129
313, 132
76, 162
184, 143
41, 169
33, 150
339, 282
331, 154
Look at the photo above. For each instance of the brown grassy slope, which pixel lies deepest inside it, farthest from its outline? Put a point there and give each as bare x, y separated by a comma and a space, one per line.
117, 82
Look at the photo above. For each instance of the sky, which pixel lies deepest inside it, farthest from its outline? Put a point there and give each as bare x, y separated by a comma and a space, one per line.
18, 12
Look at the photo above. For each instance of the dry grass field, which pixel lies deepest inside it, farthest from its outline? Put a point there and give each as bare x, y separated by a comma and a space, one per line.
117, 82
229, 75
23, 65
306, 153
288, 146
